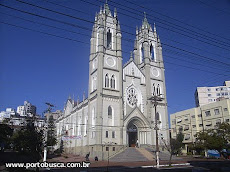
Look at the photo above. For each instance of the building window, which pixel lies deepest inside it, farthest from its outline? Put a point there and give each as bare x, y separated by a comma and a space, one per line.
193, 116
218, 121
209, 95
113, 134
106, 80
179, 120
217, 89
110, 112
112, 83
225, 109
186, 128
227, 120
218, 94
216, 111
154, 90
158, 90
151, 52
209, 100
200, 125
106, 134
193, 126
208, 113
109, 40
107, 148
226, 93
113, 148
209, 89
209, 124
199, 115
222, 94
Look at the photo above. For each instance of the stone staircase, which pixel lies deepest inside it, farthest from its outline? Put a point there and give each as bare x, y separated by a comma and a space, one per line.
130, 154
162, 155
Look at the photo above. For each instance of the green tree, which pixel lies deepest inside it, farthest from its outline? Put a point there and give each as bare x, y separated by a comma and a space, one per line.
214, 139
29, 140
5, 135
174, 145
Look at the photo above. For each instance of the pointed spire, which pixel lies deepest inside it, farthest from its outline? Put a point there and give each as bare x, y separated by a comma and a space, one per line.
158, 40
155, 30
69, 97
115, 12
118, 27
77, 100
96, 17
106, 8
136, 30
145, 23
84, 96
100, 9
131, 55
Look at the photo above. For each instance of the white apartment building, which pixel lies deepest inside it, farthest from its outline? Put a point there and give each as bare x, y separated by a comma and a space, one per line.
7, 114
192, 121
205, 95
26, 109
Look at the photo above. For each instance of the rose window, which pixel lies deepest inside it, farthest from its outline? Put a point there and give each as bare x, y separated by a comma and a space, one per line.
132, 97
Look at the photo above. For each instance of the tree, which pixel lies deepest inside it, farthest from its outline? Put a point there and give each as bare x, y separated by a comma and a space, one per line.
5, 135
214, 139
174, 145
51, 137
29, 140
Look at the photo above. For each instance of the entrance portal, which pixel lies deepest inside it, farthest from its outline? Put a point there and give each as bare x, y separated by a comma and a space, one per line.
132, 134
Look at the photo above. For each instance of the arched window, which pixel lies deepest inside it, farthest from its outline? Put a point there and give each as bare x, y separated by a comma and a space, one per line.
109, 40
107, 80
142, 53
151, 52
154, 90
112, 82
93, 116
158, 90
110, 112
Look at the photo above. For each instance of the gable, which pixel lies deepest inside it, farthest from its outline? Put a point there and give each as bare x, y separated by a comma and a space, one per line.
131, 69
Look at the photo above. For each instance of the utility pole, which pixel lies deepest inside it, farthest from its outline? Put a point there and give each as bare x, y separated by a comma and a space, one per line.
155, 100
46, 130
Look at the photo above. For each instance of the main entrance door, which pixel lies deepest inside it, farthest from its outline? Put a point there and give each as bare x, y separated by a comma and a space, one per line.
132, 134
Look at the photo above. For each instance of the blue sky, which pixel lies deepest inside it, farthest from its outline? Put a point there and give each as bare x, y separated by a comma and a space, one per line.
42, 68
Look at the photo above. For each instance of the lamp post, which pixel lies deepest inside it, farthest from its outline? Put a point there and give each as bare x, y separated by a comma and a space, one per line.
155, 100
108, 144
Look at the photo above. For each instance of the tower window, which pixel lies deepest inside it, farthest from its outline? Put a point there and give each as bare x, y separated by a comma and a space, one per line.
110, 112
106, 134
113, 134
109, 40
113, 82
142, 53
106, 80
158, 90
154, 90
151, 52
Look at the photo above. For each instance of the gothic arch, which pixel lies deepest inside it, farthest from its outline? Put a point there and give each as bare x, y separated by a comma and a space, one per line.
112, 82
107, 80
109, 39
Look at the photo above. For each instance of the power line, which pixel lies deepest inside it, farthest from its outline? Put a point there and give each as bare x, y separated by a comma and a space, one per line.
129, 33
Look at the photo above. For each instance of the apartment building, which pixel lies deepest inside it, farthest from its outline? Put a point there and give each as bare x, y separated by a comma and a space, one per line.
206, 95
192, 121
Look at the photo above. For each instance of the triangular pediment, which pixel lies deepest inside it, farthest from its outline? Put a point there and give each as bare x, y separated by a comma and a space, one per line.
131, 69
136, 113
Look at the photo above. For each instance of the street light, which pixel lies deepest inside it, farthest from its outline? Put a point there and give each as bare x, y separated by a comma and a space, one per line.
108, 144
155, 100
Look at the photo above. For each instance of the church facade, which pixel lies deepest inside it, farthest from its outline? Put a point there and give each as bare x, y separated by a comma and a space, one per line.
117, 112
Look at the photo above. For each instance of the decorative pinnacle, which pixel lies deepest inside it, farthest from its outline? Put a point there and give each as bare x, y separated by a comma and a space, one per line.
131, 55
155, 27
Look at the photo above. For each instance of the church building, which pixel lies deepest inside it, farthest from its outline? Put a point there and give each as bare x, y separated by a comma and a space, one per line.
118, 112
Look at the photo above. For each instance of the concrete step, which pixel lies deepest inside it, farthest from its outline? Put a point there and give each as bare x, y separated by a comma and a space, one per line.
162, 155
129, 155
